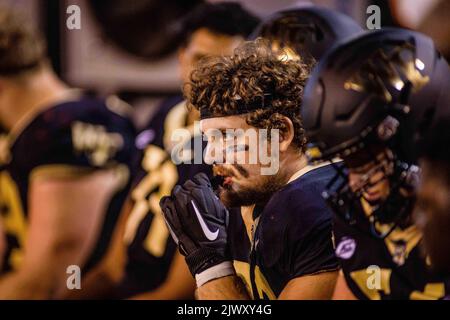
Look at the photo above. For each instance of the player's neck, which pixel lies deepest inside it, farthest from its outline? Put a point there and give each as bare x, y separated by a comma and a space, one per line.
291, 164
41, 90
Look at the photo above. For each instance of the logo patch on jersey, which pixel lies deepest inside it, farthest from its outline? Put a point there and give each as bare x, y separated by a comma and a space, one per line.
346, 248
144, 138
98, 144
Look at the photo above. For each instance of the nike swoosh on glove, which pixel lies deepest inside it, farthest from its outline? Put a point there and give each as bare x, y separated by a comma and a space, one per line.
197, 221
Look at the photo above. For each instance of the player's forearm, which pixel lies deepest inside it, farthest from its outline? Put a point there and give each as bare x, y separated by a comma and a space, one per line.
171, 289
166, 293
24, 285
342, 291
226, 288
97, 284
179, 283
312, 287
42, 274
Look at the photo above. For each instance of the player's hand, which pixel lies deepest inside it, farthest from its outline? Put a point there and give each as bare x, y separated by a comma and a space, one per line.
197, 220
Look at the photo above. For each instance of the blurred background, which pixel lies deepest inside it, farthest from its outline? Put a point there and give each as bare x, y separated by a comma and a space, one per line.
128, 47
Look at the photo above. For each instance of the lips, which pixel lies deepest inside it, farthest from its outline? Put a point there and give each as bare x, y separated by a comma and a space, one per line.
226, 176
372, 195
227, 181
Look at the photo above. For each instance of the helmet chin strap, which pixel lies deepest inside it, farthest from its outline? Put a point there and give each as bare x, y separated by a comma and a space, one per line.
399, 204
393, 210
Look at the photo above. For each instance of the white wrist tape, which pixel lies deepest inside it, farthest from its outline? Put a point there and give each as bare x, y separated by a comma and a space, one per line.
218, 271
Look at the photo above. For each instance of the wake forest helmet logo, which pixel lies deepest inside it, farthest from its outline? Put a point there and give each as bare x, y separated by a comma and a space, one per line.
93, 140
389, 68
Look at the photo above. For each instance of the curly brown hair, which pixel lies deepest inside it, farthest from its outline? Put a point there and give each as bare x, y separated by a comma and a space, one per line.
254, 70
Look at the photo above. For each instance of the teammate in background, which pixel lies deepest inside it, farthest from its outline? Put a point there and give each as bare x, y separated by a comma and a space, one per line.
305, 32
65, 170
433, 197
368, 102
153, 268
280, 245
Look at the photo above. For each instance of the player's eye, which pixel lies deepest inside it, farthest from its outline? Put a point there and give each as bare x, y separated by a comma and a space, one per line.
228, 135
210, 138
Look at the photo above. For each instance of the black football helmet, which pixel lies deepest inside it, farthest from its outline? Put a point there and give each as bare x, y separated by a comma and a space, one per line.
378, 91
306, 31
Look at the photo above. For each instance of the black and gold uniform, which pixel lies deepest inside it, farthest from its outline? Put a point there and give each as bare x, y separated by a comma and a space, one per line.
291, 236
393, 268
372, 109
150, 249
72, 137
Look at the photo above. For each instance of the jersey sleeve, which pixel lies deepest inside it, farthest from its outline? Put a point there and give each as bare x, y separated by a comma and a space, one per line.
313, 253
310, 237
80, 135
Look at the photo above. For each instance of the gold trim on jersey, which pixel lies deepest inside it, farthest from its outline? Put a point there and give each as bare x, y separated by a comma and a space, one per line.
247, 217
247, 211
400, 243
176, 119
118, 106
120, 172
59, 171
308, 168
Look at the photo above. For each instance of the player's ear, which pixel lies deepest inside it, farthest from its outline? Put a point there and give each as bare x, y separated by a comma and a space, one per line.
180, 53
286, 133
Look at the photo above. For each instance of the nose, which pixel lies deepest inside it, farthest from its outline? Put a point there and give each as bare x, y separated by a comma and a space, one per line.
353, 181
376, 178
209, 154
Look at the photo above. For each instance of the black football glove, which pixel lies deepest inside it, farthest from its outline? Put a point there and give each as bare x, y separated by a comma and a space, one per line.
197, 221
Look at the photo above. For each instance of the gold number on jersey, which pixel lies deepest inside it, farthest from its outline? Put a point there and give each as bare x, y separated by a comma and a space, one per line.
243, 271
14, 221
162, 177
362, 278
432, 291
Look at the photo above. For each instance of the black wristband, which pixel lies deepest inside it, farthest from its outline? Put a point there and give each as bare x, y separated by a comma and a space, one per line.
202, 259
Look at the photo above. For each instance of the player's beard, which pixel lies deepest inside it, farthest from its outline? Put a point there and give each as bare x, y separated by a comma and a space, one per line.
259, 193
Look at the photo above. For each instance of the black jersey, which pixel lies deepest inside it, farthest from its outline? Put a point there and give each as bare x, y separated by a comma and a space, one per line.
67, 138
292, 238
150, 248
393, 268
